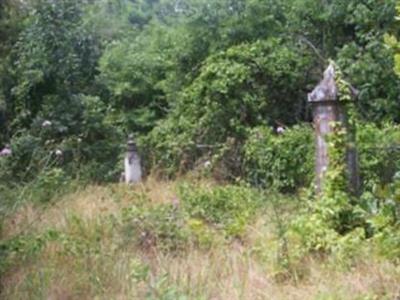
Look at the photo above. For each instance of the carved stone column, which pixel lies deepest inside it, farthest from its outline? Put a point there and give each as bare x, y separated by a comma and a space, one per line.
133, 171
328, 110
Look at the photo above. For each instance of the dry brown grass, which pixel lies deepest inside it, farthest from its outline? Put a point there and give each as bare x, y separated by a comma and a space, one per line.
237, 270
92, 202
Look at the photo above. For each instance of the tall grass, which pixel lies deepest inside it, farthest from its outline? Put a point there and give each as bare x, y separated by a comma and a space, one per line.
87, 247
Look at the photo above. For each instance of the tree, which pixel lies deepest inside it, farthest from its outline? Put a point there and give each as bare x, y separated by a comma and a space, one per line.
351, 33
12, 14
245, 86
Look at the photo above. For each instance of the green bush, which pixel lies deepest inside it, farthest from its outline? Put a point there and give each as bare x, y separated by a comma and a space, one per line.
230, 208
160, 226
26, 160
285, 161
385, 220
84, 143
236, 89
22, 248
379, 153
322, 227
338, 223
48, 184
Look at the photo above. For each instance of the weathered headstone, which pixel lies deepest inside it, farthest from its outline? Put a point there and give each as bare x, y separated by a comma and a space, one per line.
133, 171
328, 110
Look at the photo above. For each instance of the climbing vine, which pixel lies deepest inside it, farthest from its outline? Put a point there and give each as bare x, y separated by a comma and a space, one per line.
346, 97
335, 211
339, 143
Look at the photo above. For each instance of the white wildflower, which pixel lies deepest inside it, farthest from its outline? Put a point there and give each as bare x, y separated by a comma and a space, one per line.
46, 124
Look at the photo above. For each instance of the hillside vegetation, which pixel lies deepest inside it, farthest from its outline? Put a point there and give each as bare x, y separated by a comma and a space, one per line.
162, 240
215, 96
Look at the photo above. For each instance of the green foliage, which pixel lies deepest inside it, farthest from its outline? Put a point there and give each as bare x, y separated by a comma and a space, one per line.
55, 56
284, 161
336, 222
230, 208
236, 89
379, 153
133, 78
23, 248
54, 68
83, 136
159, 227
202, 234
18, 167
196, 75
394, 44
201, 83
351, 33
163, 290
386, 221
370, 70
334, 215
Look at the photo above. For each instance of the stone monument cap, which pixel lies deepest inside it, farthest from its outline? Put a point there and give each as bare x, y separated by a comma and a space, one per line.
327, 89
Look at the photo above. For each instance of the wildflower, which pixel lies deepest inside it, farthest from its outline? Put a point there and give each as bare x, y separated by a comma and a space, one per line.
207, 164
280, 130
46, 123
58, 152
6, 151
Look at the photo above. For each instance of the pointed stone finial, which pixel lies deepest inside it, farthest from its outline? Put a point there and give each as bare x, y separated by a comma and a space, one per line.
328, 110
327, 89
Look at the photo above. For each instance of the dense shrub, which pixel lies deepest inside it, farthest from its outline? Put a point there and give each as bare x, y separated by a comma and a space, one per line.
386, 221
336, 221
285, 161
25, 161
160, 227
379, 153
230, 208
24, 248
236, 89
84, 142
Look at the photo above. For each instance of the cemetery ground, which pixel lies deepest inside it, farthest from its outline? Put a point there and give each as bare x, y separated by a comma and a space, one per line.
183, 239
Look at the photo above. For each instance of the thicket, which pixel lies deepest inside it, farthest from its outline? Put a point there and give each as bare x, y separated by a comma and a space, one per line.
191, 79
216, 87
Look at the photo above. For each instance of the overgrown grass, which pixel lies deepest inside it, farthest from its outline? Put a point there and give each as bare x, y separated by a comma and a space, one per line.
174, 240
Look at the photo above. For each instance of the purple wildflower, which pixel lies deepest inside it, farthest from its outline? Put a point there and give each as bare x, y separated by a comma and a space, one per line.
280, 130
6, 151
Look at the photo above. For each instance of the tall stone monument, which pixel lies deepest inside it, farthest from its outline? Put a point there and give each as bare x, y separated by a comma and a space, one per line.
133, 171
328, 110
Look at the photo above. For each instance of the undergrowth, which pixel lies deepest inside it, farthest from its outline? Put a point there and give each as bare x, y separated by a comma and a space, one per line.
183, 240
